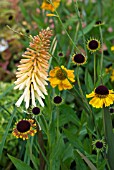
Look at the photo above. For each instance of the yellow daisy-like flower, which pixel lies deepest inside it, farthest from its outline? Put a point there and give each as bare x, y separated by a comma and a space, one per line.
32, 71
93, 45
24, 128
101, 96
79, 59
48, 6
61, 77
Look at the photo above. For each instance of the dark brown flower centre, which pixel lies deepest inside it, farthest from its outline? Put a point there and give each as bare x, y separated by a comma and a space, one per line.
60, 54
23, 126
102, 90
79, 58
111, 110
10, 17
27, 30
99, 144
57, 100
93, 44
61, 74
36, 110
98, 22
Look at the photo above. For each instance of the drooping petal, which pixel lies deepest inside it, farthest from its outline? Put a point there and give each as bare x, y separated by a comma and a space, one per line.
90, 95
96, 102
33, 96
18, 103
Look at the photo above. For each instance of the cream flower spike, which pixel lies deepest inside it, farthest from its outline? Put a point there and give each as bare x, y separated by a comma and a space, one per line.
32, 70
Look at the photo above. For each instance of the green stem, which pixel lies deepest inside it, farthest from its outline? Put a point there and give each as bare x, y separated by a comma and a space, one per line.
6, 110
85, 101
52, 50
94, 69
19, 33
75, 36
50, 167
80, 21
57, 122
101, 65
63, 26
46, 128
72, 51
78, 81
109, 136
76, 94
42, 149
97, 160
42, 154
66, 31
81, 92
99, 8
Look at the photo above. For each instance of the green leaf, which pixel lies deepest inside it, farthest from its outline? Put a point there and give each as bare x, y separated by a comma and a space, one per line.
74, 140
43, 123
24, 11
27, 154
39, 21
6, 91
106, 78
68, 152
80, 164
68, 115
6, 132
57, 148
70, 21
109, 136
87, 29
56, 153
88, 81
20, 165
102, 165
89, 163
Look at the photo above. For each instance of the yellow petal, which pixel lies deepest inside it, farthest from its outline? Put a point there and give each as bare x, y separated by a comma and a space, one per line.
60, 86
52, 73
66, 84
96, 102
108, 101
54, 81
92, 94
51, 15
111, 92
72, 79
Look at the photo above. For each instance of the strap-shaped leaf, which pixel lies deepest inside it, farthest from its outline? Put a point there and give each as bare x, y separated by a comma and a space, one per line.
20, 165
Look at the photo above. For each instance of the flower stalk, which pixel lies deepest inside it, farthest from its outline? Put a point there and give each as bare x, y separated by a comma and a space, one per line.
101, 65
80, 21
94, 69
81, 92
42, 150
32, 70
57, 112
109, 136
